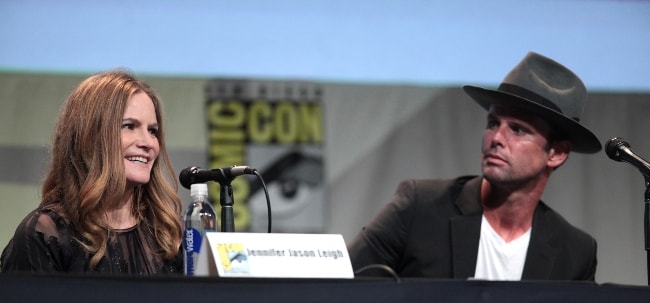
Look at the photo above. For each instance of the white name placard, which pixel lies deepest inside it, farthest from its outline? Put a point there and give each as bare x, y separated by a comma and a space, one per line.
268, 255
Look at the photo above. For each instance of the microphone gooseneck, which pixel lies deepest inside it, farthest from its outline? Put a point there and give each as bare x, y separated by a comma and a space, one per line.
191, 175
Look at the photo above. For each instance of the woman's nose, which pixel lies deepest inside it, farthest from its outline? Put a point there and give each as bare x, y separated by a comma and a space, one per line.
145, 140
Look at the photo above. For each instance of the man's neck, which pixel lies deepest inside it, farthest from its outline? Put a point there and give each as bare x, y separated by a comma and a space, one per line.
510, 213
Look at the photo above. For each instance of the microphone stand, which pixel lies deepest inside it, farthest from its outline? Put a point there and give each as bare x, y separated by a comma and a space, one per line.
226, 200
646, 225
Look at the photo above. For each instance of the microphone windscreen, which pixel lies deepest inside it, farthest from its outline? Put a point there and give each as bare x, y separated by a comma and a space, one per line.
613, 147
185, 177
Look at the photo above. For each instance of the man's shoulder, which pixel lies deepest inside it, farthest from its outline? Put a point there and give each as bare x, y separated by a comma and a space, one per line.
552, 218
436, 184
449, 193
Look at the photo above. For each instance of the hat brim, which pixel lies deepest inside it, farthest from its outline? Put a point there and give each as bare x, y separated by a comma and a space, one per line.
582, 139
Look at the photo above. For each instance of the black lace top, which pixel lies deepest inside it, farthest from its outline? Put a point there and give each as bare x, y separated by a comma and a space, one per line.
45, 242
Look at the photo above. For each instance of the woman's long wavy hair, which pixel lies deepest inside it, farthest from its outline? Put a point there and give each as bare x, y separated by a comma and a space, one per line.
87, 175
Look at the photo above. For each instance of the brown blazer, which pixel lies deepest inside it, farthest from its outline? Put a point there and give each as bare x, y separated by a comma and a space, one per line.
431, 229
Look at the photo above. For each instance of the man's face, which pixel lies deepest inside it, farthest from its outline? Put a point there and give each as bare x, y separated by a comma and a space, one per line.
515, 146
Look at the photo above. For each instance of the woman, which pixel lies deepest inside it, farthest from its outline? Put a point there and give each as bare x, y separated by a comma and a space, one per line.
109, 201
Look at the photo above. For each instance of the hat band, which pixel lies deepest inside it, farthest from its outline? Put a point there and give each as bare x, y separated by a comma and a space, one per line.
527, 94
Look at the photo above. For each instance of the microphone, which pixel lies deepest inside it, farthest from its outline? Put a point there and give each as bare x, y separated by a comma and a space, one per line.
619, 150
192, 174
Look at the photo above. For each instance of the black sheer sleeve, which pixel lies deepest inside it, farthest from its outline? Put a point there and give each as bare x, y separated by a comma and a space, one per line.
42, 243
46, 242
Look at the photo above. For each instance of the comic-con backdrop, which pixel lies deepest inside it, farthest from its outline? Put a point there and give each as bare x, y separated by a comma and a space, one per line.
277, 128
331, 154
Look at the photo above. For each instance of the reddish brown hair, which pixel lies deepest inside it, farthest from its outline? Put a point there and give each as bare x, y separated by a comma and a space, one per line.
87, 174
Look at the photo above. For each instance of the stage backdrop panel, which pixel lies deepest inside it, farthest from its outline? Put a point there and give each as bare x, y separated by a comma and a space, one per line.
366, 139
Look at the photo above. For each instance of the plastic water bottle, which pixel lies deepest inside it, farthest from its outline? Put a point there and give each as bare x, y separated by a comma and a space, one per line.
199, 218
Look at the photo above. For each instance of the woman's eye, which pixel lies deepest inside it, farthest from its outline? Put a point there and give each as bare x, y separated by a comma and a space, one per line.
128, 126
153, 131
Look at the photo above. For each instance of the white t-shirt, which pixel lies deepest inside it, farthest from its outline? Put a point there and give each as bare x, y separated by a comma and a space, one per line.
498, 260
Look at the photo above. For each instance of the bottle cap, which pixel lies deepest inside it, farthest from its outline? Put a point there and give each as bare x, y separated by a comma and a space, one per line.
199, 189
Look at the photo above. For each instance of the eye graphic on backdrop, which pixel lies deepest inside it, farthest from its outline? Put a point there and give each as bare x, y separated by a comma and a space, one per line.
294, 182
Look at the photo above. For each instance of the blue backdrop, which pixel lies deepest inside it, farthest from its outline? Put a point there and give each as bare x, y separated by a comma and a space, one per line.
414, 41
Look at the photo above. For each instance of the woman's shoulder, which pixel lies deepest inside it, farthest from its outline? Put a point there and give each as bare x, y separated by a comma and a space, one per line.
48, 220
43, 241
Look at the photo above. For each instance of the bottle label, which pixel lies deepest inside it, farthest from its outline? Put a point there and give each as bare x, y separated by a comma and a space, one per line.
192, 245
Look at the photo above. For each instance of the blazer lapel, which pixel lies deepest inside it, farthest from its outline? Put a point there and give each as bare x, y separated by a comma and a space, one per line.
465, 233
466, 229
542, 250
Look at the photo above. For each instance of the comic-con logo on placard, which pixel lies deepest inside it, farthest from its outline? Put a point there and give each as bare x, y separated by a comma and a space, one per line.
233, 257
276, 127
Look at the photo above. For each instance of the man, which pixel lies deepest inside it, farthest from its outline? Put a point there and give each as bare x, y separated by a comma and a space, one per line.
494, 226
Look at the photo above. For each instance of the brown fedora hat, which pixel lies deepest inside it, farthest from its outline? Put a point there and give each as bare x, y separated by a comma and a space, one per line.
548, 89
